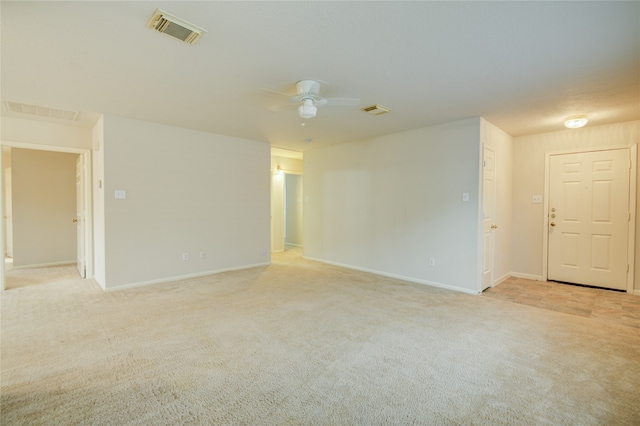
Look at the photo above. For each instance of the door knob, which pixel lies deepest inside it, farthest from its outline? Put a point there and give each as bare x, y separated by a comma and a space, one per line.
552, 224
494, 226
75, 220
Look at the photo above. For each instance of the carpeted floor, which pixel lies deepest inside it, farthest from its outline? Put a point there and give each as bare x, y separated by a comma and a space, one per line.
303, 343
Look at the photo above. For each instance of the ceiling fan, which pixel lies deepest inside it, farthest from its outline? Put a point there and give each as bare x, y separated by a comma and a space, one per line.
307, 99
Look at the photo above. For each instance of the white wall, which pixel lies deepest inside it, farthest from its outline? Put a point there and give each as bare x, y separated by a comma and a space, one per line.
502, 144
289, 165
43, 133
528, 179
187, 191
44, 206
389, 203
293, 209
97, 185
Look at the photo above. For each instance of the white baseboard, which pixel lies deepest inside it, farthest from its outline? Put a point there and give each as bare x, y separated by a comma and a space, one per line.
43, 265
184, 277
501, 279
396, 276
636, 292
527, 276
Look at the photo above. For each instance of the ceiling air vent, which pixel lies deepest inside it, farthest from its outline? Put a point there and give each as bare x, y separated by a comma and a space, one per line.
41, 111
375, 109
175, 27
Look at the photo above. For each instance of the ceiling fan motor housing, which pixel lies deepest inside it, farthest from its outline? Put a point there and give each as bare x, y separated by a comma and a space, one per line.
308, 87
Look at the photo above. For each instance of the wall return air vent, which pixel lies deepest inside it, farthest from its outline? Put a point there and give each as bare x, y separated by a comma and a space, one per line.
175, 27
41, 111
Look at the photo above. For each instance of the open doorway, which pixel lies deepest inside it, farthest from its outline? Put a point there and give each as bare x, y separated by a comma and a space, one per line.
43, 191
286, 200
7, 207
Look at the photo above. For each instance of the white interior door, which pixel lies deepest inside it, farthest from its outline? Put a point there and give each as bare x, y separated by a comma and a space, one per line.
488, 219
79, 220
589, 218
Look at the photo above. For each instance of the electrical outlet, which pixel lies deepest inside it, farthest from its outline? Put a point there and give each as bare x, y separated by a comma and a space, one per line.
432, 261
185, 256
263, 253
203, 254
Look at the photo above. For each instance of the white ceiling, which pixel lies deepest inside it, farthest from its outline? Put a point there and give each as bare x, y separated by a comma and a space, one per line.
524, 66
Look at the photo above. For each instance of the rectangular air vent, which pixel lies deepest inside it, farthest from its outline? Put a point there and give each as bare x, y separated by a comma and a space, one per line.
41, 111
375, 109
175, 27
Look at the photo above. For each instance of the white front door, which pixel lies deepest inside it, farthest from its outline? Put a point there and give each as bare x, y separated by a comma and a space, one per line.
488, 219
80, 216
589, 218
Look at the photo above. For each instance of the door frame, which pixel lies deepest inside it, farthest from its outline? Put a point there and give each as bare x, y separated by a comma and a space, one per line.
88, 204
81, 181
493, 218
278, 177
633, 155
277, 214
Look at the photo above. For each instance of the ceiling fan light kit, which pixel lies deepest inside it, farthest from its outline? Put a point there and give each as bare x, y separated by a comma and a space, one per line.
307, 109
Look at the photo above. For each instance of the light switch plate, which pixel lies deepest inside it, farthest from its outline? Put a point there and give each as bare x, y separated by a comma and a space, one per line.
465, 196
536, 199
121, 194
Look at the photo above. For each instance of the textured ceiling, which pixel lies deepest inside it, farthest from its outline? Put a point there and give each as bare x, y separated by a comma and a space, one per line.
524, 66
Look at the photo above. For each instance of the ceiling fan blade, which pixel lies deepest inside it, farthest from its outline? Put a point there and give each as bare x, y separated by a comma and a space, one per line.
283, 107
269, 91
341, 101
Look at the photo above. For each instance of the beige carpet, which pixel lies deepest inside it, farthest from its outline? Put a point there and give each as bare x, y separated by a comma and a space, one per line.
303, 343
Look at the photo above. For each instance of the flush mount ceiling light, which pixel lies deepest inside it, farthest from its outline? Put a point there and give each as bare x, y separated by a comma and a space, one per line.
167, 23
576, 121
